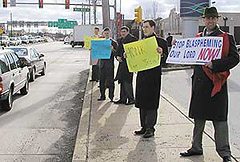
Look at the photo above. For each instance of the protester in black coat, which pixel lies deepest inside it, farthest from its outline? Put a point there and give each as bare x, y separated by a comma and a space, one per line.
123, 76
148, 86
209, 99
107, 69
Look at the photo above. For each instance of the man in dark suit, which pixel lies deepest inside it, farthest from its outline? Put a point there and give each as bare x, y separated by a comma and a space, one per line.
148, 86
123, 76
209, 100
107, 69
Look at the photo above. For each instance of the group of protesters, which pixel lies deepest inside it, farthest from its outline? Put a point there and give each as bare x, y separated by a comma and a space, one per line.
209, 100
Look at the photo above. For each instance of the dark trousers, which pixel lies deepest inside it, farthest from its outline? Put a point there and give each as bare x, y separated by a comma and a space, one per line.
95, 72
106, 81
148, 118
220, 135
126, 91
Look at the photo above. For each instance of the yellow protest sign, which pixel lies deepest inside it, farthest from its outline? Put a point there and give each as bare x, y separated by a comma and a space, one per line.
87, 42
142, 55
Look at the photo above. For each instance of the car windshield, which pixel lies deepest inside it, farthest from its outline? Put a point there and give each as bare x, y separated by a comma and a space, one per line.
20, 51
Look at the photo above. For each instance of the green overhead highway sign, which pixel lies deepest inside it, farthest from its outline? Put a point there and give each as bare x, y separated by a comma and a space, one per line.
62, 24
81, 9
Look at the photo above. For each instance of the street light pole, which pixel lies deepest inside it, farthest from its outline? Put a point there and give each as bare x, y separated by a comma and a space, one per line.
105, 13
94, 11
11, 24
225, 21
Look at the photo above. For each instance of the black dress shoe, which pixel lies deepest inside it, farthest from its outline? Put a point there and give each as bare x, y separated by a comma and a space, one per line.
120, 102
130, 102
190, 153
149, 133
101, 99
227, 159
140, 132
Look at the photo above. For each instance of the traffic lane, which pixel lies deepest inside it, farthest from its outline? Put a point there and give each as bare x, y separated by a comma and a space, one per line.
234, 111
43, 124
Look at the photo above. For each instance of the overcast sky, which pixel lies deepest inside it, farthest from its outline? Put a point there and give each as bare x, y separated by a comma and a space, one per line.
52, 13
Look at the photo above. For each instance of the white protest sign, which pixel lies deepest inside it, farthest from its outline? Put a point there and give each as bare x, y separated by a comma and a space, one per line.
195, 51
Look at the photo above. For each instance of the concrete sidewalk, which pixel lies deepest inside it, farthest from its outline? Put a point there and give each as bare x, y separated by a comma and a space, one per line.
105, 133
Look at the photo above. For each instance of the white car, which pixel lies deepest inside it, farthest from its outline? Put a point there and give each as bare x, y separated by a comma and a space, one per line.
4, 41
238, 49
14, 77
13, 41
67, 40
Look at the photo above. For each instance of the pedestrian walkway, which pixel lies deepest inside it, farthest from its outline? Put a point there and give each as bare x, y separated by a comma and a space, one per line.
105, 133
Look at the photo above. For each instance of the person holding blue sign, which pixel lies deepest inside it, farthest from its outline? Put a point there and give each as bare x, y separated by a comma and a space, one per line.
107, 69
209, 100
95, 67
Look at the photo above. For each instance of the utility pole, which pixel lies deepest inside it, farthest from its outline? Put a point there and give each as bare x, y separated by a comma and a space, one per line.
105, 13
11, 21
115, 20
84, 18
89, 13
94, 11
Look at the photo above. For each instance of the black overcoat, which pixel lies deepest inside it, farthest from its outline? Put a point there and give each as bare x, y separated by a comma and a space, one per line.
148, 83
123, 73
107, 65
202, 105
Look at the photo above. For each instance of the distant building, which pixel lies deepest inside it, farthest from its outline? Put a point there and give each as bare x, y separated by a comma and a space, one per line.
229, 22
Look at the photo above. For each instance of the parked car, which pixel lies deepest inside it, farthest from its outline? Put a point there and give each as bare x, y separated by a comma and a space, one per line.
14, 77
13, 41
67, 40
238, 49
4, 41
24, 40
36, 62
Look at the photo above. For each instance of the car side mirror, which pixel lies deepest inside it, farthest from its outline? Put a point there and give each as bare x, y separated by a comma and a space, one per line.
41, 55
23, 62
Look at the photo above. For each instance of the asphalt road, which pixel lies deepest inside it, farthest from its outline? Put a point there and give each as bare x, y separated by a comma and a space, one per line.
42, 125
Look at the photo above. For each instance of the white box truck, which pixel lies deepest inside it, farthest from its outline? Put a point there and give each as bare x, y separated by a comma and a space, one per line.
80, 31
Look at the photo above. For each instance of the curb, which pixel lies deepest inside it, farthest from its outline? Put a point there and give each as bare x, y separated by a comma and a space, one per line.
176, 68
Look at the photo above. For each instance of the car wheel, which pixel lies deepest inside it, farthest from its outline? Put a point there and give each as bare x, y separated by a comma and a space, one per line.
33, 75
43, 72
25, 89
7, 104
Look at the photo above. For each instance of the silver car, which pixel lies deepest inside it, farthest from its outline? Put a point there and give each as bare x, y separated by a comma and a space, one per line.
4, 41
14, 77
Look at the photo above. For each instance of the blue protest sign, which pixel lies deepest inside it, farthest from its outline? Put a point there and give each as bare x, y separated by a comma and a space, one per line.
101, 49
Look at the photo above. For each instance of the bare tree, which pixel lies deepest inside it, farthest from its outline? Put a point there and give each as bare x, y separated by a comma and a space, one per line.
155, 8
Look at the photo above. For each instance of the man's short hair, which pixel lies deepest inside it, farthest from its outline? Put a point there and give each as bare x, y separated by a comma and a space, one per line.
96, 27
125, 28
106, 29
151, 22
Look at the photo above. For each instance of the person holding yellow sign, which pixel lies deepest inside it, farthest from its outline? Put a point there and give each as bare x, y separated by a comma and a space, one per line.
148, 86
